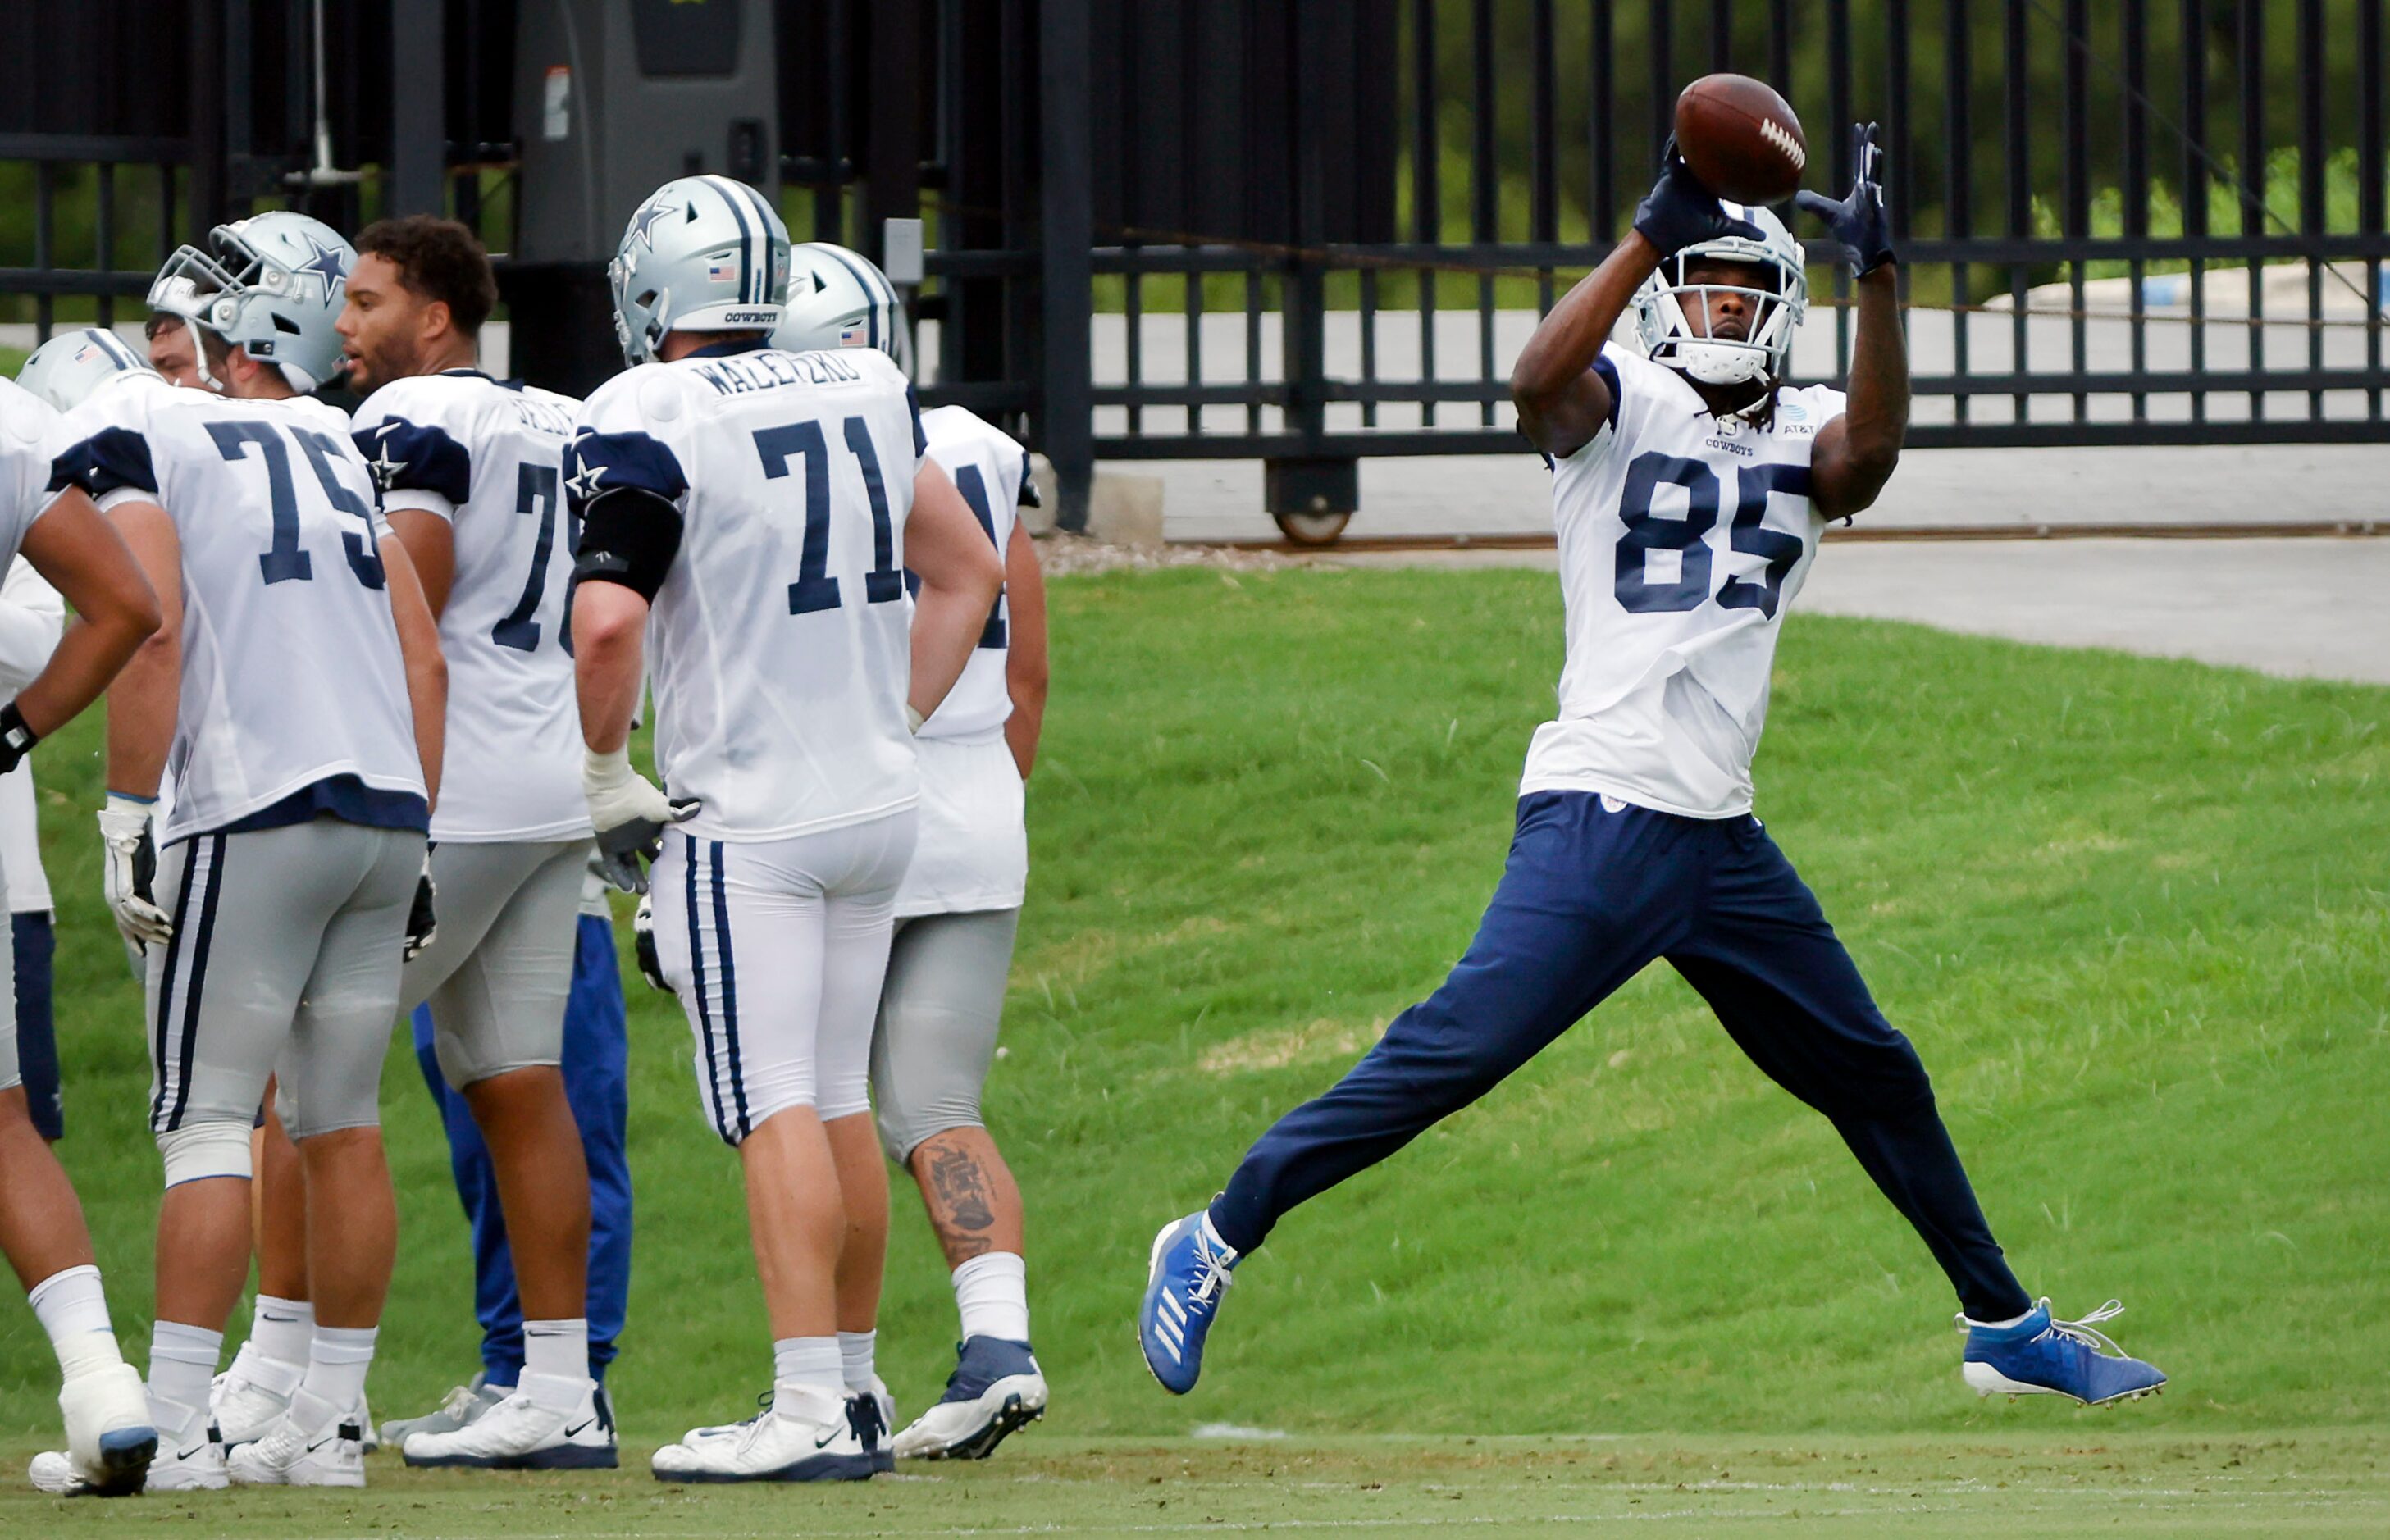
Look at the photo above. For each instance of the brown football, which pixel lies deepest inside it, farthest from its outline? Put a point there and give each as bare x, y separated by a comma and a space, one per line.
1740, 138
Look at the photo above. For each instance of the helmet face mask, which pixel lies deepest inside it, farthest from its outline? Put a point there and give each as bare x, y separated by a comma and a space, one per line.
703, 253
272, 286
1671, 314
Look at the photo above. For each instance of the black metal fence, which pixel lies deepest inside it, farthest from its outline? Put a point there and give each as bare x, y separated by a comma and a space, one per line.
1308, 233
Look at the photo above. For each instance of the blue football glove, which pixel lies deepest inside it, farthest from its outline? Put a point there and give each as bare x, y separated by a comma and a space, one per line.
1680, 211
1859, 220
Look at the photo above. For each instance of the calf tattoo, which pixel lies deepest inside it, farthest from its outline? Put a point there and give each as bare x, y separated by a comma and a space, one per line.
965, 1211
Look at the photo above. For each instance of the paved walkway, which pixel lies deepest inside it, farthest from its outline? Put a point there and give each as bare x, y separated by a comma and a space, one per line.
1216, 501
2312, 608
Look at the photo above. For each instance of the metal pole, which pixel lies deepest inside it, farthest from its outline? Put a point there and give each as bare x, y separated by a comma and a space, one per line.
419, 111
1067, 235
891, 186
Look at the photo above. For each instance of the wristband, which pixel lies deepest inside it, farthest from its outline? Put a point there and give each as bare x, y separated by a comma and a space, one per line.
15, 739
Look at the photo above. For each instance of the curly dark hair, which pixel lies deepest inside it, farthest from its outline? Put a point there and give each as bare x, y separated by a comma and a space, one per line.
438, 259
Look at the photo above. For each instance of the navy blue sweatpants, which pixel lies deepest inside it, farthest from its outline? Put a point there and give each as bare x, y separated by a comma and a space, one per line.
596, 1085
1593, 892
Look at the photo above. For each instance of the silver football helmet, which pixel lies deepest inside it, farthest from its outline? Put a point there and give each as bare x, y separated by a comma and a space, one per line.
840, 299
71, 365
1671, 315
273, 287
703, 253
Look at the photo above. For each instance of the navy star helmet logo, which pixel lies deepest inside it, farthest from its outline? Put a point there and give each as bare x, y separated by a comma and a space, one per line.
327, 263
643, 223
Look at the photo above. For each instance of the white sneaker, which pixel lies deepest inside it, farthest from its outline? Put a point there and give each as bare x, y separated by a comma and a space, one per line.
372, 1441
248, 1399
315, 1444
520, 1434
109, 1437
806, 1435
996, 1389
188, 1457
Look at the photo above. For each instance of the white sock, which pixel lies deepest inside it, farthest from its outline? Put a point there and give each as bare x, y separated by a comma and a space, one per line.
854, 1357
556, 1364
1999, 1326
73, 1309
810, 1362
282, 1329
992, 1292
337, 1360
182, 1361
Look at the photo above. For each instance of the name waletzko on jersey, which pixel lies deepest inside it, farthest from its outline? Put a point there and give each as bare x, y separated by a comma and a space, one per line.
1683, 537
292, 676
779, 645
488, 457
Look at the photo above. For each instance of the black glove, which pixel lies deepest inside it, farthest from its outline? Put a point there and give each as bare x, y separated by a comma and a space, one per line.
15, 739
1859, 220
1680, 211
420, 924
643, 947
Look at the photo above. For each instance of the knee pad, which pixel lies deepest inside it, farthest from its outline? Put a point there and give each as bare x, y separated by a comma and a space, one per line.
202, 1149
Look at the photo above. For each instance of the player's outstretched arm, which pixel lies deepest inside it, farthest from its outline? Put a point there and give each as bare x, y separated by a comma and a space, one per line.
427, 668
142, 700
960, 577
1562, 403
1856, 451
74, 547
1024, 657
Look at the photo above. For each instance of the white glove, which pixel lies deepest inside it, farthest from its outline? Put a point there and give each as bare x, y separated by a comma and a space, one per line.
630, 816
130, 870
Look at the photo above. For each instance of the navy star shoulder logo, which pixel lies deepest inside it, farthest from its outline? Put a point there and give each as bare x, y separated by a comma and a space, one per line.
643, 223
584, 485
385, 469
327, 263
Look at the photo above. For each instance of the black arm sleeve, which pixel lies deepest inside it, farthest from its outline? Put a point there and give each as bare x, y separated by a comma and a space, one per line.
628, 537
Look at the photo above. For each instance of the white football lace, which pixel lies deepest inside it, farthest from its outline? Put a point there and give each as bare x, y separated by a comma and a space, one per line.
1211, 1278
2085, 1330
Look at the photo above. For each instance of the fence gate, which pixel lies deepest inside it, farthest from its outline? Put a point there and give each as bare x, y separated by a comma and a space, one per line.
1308, 233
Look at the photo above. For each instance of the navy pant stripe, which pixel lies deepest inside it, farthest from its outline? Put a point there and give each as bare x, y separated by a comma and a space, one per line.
729, 992
704, 1007
166, 1000
197, 988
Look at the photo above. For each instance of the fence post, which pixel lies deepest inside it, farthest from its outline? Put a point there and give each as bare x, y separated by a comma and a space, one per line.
419, 111
1066, 258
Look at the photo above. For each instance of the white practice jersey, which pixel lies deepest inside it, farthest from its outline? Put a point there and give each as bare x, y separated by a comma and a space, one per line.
488, 458
294, 696
29, 434
988, 467
778, 647
32, 618
1682, 539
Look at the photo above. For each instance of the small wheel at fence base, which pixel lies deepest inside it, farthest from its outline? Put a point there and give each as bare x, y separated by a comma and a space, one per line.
1312, 529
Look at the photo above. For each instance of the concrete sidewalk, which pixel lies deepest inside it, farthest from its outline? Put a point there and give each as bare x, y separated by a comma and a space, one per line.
1217, 501
2310, 608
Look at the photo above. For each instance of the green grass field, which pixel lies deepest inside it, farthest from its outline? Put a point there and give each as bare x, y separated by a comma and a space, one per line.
2133, 912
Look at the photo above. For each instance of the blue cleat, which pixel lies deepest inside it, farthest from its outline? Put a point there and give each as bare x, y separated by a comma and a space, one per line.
1187, 1275
2040, 1355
